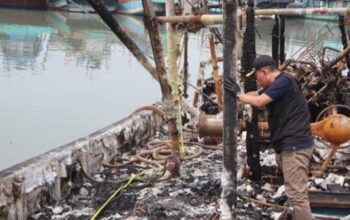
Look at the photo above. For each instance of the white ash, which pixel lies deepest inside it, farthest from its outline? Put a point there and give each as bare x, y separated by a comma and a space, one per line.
83, 191
240, 173
332, 179
113, 217
76, 213
279, 192
245, 188
269, 160
267, 187
315, 159
57, 210
276, 215
318, 181
261, 198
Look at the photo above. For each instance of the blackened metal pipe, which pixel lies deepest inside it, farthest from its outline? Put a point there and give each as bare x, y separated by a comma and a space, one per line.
329, 65
113, 24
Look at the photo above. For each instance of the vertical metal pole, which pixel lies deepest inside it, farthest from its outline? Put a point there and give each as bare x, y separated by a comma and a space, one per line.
229, 179
112, 23
157, 49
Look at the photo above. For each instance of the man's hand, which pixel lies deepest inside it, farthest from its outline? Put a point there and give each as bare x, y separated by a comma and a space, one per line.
231, 87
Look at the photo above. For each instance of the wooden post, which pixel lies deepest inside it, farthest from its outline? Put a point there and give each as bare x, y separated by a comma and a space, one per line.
215, 74
157, 49
185, 66
282, 56
172, 106
249, 54
112, 23
229, 179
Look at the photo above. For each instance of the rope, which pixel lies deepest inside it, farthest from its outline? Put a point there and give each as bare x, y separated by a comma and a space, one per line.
151, 108
157, 148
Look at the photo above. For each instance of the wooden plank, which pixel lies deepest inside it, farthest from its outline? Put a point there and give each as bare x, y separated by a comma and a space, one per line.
329, 200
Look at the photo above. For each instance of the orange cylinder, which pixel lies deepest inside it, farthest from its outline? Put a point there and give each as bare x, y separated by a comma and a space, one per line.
337, 129
210, 125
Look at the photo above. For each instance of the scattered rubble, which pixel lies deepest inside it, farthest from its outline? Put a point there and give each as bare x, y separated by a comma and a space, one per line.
193, 195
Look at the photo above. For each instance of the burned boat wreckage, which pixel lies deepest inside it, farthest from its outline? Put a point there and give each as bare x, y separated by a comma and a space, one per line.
174, 160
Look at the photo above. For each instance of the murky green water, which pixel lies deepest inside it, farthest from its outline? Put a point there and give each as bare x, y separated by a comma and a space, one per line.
65, 75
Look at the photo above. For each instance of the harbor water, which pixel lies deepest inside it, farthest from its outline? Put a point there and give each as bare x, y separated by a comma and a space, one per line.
65, 75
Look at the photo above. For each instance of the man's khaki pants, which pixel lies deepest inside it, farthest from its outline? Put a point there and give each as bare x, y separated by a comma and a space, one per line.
295, 166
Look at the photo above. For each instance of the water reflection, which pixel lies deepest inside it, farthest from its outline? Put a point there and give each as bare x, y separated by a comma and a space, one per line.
26, 37
297, 33
63, 76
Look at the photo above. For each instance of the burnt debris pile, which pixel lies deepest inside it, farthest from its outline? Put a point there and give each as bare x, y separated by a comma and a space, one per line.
196, 193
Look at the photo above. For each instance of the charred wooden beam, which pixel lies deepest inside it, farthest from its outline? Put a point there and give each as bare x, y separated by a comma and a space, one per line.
173, 105
229, 179
157, 49
282, 54
248, 56
344, 39
329, 199
185, 66
275, 37
113, 24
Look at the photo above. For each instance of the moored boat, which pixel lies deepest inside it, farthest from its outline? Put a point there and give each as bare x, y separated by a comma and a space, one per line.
57, 3
24, 4
134, 7
272, 3
319, 4
84, 6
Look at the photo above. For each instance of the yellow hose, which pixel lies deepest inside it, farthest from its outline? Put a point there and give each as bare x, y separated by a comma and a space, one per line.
132, 178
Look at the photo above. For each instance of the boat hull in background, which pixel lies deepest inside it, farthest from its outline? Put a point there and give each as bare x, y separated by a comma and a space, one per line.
27, 4
134, 7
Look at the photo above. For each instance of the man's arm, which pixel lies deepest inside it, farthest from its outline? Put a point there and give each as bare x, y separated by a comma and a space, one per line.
255, 99
254, 93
